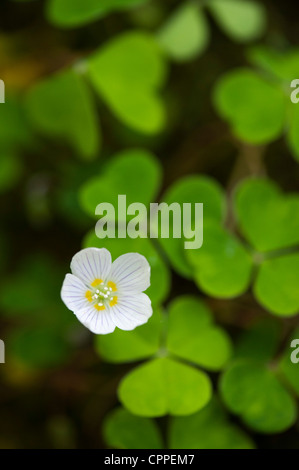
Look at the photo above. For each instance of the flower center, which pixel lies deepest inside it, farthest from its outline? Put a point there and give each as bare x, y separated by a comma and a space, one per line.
102, 294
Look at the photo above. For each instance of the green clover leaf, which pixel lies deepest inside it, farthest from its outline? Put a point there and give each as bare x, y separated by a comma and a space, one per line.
209, 428
252, 391
73, 13
193, 336
62, 107
254, 108
191, 189
128, 73
269, 226
257, 104
272, 228
116, 179
222, 267
186, 34
122, 430
242, 20
164, 386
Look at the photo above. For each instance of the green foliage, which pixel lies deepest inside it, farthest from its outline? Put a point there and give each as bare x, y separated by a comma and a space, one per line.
188, 334
62, 107
186, 33
272, 225
191, 189
138, 166
252, 391
271, 228
72, 13
210, 347
164, 386
222, 267
253, 107
128, 73
126, 431
242, 20
209, 428
257, 104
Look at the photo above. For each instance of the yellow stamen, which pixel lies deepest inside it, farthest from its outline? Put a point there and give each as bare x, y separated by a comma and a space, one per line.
98, 307
88, 295
112, 285
113, 301
96, 282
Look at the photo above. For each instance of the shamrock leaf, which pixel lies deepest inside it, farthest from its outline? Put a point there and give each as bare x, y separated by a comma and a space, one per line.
242, 20
192, 190
186, 34
209, 428
128, 73
62, 107
193, 336
254, 108
269, 226
122, 430
73, 13
138, 166
257, 105
222, 267
252, 391
272, 228
164, 386
276, 285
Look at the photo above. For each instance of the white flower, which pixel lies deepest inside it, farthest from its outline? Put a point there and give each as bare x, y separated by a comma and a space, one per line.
103, 294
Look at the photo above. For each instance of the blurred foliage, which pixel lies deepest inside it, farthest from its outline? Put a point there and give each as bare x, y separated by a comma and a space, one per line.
174, 101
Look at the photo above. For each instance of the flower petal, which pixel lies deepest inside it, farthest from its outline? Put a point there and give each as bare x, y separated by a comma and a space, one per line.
73, 293
98, 322
91, 264
131, 273
131, 311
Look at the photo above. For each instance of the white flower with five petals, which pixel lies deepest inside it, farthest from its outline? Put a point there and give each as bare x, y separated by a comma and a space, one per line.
104, 295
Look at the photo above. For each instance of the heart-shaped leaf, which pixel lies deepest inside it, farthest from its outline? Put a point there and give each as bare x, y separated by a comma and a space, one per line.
254, 108
268, 219
209, 428
192, 190
252, 391
127, 73
134, 173
164, 386
72, 13
123, 430
193, 336
185, 34
221, 267
242, 20
62, 107
276, 285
